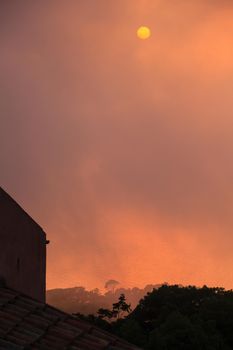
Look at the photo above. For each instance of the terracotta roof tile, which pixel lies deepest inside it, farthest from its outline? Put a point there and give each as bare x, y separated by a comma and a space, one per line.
28, 324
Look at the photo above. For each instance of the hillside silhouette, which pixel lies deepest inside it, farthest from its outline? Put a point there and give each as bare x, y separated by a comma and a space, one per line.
80, 300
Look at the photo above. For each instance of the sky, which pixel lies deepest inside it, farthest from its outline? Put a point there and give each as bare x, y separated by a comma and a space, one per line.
121, 148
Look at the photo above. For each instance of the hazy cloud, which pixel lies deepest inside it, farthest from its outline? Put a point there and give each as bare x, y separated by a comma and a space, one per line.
121, 149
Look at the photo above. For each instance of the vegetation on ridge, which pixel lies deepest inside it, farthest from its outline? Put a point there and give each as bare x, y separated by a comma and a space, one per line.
175, 317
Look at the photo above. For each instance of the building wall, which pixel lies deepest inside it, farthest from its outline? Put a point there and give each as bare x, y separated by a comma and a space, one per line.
22, 249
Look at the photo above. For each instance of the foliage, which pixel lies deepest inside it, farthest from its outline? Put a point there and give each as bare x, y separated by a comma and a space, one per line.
111, 285
118, 309
191, 318
177, 318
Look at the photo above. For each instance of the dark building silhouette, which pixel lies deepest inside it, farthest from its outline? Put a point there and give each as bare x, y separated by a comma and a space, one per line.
26, 322
22, 250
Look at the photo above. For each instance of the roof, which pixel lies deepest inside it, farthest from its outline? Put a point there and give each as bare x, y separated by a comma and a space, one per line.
26, 323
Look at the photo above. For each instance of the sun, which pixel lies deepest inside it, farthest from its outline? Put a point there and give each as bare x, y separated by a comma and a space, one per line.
143, 32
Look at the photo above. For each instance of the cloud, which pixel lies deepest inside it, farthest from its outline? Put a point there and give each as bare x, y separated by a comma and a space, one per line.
116, 146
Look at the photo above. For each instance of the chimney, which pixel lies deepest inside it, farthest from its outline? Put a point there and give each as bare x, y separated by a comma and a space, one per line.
22, 250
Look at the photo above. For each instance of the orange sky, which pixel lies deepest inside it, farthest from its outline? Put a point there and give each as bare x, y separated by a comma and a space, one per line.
121, 149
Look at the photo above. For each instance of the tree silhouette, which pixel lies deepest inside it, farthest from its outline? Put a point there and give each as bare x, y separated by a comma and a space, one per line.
105, 313
111, 285
173, 318
118, 309
121, 307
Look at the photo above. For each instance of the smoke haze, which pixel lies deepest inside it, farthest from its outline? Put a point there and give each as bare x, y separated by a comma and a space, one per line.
121, 149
